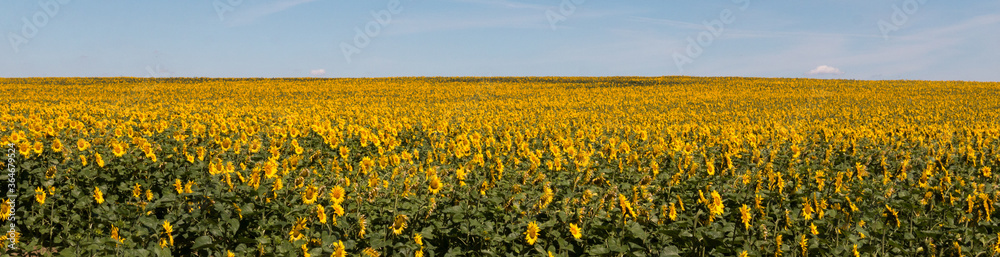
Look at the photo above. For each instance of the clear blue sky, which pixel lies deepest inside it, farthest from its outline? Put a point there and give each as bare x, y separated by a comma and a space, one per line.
857, 39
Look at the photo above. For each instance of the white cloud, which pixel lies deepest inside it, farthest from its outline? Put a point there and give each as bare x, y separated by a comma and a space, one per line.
823, 69
319, 72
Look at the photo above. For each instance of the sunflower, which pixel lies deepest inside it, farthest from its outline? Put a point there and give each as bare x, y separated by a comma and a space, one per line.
115, 236
777, 240
83, 160
51, 172
338, 249
38, 148
361, 224
57, 145
321, 213
187, 187
117, 149
271, 169
178, 186
82, 144
892, 215
167, 229
573, 229
5, 209
371, 252
255, 146
745, 216
399, 224
716, 208
626, 205
337, 194
278, 184
310, 194
99, 159
296, 232
137, 190
201, 153
434, 184
338, 210
531, 235
149, 195
417, 238
295, 145
225, 144
366, 164
98, 196
40, 195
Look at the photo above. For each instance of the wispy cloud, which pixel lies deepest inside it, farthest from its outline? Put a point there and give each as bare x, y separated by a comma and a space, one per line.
252, 13
318, 72
825, 70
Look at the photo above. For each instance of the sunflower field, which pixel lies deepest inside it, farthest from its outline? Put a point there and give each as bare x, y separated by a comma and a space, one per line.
476, 166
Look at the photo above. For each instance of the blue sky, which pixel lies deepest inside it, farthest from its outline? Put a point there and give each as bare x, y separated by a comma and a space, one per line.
854, 39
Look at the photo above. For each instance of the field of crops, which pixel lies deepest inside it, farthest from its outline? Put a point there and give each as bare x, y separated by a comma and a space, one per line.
546, 166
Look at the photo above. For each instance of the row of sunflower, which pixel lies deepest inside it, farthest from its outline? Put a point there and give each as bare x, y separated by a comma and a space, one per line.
547, 166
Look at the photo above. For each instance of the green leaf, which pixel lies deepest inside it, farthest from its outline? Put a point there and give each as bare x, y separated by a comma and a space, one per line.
202, 242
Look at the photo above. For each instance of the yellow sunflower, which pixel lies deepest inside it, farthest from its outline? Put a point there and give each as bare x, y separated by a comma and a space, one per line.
575, 231
399, 224
337, 194
98, 196
361, 223
99, 159
117, 149
137, 190
434, 184
310, 194
338, 249
82, 144
531, 235
38, 148
40, 195
57, 145
321, 213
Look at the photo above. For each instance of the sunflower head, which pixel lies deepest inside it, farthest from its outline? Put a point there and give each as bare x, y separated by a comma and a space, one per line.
573, 229
98, 196
82, 144
321, 213
40, 195
399, 224
434, 184
338, 249
310, 194
338, 194
38, 148
531, 235
117, 149
57, 145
